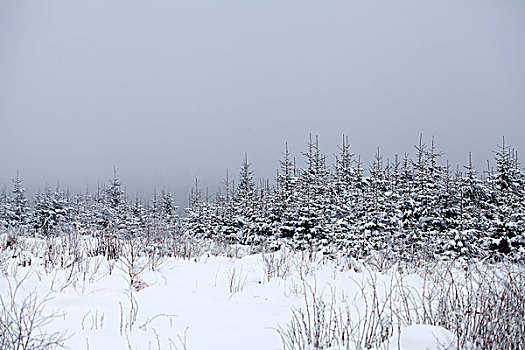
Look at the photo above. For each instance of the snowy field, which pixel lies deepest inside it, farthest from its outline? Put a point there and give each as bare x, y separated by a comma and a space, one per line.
235, 300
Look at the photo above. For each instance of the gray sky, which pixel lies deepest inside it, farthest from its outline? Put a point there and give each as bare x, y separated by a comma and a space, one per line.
166, 90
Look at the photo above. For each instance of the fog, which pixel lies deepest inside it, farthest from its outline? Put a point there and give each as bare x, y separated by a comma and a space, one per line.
169, 90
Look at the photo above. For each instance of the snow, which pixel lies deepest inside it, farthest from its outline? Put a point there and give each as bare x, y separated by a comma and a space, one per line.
212, 302
421, 337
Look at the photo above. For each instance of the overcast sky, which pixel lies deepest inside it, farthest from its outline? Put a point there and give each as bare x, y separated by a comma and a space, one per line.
166, 90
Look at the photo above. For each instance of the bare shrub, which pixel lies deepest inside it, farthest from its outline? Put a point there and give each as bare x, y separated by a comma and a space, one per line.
340, 324
133, 262
277, 264
483, 305
22, 320
129, 318
184, 247
236, 281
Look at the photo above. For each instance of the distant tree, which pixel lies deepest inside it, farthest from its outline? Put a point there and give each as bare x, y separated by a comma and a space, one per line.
225, 223
373, 221
463, 213
115, 203
285, 202
196, 222
99, 209
137, 218
246, 188
286, 182
18, 211
4, 205
507, 229
83, 212
314, 198
52, 210
347, 187
169, 211
245, 201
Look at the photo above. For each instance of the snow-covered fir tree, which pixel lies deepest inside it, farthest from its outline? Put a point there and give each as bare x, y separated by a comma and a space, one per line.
115, 204
17, 210
51, 210
245, 206
285, 202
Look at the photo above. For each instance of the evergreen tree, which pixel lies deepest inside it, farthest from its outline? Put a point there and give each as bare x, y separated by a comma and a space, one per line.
314, 199
137, 219
245, 201
4, 205
507, 229
501, 231
246, 189
285, 199
115, 203
196, 222
18, 211
347, 186
373, 220
225, 218
169, 211
52, 210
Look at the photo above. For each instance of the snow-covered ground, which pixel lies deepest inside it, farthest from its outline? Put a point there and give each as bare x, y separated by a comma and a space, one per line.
215, 302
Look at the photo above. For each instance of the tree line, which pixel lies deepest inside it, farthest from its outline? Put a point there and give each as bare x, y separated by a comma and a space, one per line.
411, 206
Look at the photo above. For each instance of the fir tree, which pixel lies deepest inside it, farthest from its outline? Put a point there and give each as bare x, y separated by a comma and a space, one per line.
285, 202
18, 211
245, 201
313, 202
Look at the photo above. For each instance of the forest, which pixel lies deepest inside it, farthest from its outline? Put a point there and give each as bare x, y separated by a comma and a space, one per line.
414, 206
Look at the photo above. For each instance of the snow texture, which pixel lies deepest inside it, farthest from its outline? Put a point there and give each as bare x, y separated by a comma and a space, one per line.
205, 303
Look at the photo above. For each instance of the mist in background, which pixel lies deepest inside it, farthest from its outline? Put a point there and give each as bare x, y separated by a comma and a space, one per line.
169, 90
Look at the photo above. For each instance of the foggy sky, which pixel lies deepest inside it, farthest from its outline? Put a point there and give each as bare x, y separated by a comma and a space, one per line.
166, 90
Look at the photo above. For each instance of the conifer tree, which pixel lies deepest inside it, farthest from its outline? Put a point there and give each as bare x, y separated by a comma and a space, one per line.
285, 199
246, 188
227, 225
313, 202
115, 203
4, 205
507, 231
373, 220
18, 211
52, 210
196, 222
137, 220
347, 186
245, 201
